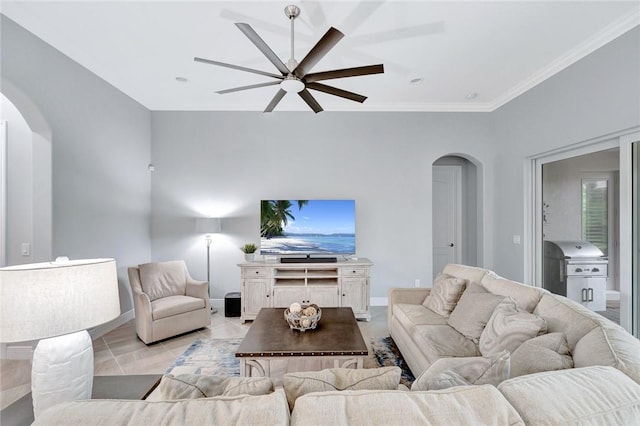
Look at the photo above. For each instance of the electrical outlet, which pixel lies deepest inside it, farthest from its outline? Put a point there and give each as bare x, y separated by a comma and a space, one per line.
516, 239
25, 250
416, 282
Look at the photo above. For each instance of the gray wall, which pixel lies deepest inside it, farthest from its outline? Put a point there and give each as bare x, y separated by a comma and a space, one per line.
596, 96
223, 164
100, 151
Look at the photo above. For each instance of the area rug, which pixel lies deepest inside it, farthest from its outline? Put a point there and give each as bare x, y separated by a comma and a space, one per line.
217, 357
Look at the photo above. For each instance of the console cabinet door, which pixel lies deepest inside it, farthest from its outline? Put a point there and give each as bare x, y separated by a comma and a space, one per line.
324, 297
355, 294
255, 296
284, 296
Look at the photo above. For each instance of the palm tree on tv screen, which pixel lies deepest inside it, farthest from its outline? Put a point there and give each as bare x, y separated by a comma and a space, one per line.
275, 215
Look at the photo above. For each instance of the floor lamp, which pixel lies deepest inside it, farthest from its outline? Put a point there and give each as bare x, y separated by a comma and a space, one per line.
55, 303
208, 226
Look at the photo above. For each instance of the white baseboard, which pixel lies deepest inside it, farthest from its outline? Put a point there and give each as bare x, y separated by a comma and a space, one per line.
613, 295
103, 329
20, 351
379, 301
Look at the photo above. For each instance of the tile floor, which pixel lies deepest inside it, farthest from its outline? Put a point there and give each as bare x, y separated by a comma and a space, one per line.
121, 352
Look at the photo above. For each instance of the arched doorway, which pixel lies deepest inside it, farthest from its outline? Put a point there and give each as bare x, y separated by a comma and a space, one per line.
457, 218
28, 189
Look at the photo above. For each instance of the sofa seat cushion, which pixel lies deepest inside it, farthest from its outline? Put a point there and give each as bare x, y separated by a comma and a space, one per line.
508, 328
526, 296
443, 341
469, 405
473, 310
411, 315
268, 409
444, 295
188, 386
340, 379
163, 279
449, 372
592, 395
174, 305
544, 353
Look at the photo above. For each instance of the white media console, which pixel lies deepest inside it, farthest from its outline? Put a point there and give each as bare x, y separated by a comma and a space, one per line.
269, 284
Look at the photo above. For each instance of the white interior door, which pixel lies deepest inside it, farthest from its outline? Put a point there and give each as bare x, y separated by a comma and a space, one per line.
3, 192
447, 216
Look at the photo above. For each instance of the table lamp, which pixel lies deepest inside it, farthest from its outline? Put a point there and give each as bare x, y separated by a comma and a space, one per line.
56, 302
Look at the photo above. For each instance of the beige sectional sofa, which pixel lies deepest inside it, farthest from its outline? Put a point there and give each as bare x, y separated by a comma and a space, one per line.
602, 387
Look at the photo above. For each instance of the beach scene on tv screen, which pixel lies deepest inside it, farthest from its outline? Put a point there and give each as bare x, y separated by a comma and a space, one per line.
307, 226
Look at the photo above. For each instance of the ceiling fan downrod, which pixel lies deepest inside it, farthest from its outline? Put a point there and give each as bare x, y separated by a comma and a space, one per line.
292, 12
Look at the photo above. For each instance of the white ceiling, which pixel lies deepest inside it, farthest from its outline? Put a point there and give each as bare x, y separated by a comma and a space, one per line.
495, 49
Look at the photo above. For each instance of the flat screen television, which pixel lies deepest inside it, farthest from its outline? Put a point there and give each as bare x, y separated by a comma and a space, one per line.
306, 227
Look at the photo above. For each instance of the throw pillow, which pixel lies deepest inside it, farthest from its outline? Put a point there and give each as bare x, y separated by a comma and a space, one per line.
298, 384
448, 372
444, 295
543, 353
192, 386
473, 310
509, 327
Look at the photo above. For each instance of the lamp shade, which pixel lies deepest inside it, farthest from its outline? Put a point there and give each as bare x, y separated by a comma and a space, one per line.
208, 225
42, 300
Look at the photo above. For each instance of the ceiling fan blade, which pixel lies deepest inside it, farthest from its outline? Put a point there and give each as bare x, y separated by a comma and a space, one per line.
237, 67
346, 72
310, 100
337, 92
326, 43
252, 86
276, 99
263, 47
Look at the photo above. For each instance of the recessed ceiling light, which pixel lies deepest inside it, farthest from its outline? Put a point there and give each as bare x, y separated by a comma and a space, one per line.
471, 95
416, 80
182, 79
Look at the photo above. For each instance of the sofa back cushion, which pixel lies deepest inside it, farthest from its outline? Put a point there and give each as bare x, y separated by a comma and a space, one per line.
462, 405
192, 386
609, 344
268, 409
566, 316
444, 294
526, 296
163, 279
577, 396
469, 273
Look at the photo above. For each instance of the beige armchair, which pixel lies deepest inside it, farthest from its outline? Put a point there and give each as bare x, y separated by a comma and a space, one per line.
167, 301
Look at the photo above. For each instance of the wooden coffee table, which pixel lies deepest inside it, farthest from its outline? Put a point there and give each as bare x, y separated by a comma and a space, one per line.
337, 337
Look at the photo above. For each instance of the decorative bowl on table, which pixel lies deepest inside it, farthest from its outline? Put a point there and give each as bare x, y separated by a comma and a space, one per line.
302, 317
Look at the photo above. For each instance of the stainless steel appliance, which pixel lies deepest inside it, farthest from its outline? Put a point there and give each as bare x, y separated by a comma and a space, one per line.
577, 270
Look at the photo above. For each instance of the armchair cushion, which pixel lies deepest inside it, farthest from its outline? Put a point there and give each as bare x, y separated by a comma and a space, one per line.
174, 305
163, 279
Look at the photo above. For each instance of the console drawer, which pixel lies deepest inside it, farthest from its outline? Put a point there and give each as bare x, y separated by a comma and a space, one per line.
255, 272
354, 272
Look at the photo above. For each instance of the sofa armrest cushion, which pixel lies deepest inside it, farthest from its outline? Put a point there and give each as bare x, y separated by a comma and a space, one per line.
298, 384
445, 293
508, 328
544, 353
448, 372
191, 386
591, 395
473, 310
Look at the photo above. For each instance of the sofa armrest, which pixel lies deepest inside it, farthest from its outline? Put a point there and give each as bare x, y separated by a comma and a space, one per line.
199, 289
414, 296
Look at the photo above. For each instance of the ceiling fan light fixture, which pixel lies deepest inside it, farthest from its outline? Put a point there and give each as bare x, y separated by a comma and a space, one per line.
291, 84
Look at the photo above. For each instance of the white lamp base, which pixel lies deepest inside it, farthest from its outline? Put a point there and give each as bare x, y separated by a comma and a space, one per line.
62, 370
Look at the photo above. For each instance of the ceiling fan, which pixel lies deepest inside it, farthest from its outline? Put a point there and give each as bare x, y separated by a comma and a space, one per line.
295, 76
